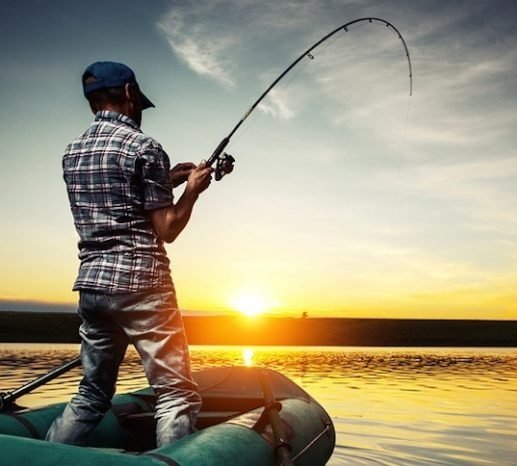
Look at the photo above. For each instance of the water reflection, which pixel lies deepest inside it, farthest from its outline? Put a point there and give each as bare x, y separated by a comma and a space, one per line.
390, 406
247, 356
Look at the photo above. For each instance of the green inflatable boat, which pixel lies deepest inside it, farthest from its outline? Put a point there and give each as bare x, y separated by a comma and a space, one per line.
250, 416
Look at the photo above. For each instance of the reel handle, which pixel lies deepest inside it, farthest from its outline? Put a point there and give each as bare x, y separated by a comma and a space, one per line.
224, 166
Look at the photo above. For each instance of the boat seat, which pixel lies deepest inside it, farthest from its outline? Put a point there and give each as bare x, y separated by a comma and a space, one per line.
146, 421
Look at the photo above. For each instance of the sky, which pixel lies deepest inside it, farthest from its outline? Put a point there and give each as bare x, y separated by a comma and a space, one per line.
349, 198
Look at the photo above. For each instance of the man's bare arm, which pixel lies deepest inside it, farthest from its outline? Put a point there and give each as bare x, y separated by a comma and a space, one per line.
169, 222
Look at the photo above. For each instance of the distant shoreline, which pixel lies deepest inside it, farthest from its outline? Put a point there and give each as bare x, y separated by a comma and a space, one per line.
60, 327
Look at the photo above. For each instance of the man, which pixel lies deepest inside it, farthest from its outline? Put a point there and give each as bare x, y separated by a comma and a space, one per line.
119, 185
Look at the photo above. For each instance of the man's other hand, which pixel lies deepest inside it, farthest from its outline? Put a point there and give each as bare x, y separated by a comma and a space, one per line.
180, 173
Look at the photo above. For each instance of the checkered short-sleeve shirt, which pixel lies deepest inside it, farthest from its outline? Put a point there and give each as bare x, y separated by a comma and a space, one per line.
114, 176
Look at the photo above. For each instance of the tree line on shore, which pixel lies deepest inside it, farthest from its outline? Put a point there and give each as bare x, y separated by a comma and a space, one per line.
58, 327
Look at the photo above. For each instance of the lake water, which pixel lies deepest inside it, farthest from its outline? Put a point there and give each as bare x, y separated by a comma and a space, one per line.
390, 406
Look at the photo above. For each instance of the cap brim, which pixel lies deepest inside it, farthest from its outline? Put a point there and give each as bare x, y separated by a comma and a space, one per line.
146, 103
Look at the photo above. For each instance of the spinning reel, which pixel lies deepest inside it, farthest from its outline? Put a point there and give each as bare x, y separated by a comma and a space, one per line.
223, 161
223, 165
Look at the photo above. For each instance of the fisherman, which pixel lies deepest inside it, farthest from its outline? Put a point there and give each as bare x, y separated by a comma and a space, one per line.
119, 185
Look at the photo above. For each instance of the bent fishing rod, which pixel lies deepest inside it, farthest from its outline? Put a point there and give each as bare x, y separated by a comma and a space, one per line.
224, 162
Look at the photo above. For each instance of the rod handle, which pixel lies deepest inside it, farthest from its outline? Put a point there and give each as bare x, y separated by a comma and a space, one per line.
217, 152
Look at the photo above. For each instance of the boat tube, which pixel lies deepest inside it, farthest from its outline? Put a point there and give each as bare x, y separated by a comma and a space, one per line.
250, 416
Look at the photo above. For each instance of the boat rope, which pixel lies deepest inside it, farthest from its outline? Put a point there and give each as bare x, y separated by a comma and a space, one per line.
164, 459
29, 426
217, 383
224, 162
312, 442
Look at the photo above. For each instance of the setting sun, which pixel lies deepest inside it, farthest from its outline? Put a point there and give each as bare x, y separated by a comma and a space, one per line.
251, 304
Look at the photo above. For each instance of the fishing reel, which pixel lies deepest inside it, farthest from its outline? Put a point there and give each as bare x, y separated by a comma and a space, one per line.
223, 161
223, 165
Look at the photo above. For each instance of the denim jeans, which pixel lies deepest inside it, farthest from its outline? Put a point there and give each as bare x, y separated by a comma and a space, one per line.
151, 321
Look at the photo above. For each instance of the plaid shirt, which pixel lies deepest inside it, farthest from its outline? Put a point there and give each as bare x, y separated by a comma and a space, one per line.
114, 176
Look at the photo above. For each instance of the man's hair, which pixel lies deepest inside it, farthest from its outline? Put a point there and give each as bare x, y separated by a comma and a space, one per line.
101, 97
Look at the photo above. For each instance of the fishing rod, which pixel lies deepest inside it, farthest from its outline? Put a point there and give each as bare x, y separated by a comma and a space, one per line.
224, 162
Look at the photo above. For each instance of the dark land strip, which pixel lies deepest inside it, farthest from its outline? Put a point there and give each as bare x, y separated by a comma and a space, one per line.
60, 327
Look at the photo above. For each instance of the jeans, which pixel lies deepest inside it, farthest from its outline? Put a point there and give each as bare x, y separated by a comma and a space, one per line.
151, 321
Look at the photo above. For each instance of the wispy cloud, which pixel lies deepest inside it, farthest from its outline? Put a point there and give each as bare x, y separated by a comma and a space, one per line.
461, 74
228, 41
481, 192
203, 52
278, 105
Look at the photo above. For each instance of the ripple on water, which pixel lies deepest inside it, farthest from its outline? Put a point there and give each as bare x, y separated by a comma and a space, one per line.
390, 406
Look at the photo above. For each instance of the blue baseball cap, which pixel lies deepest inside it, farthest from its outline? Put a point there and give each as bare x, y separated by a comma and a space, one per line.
108, 74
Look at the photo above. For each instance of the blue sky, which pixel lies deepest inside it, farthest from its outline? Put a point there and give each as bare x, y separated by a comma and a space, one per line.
349, 197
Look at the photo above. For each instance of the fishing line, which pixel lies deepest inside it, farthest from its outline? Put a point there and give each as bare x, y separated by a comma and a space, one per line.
398, 169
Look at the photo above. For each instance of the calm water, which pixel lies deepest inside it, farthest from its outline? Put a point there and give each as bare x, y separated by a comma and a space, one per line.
390, 406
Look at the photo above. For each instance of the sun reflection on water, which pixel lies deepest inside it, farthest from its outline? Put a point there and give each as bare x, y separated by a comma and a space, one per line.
247, 355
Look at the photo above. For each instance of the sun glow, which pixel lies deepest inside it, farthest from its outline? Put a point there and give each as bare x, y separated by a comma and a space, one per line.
251, 304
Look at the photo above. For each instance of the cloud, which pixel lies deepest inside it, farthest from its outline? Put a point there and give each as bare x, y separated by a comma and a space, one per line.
202, 51
479, 192
278, 105
358, 81
461, 75
235, 41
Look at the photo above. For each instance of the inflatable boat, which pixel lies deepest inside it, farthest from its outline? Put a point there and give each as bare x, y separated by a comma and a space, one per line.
250, 416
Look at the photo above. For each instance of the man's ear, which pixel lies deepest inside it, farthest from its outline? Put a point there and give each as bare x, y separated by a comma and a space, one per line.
127, 90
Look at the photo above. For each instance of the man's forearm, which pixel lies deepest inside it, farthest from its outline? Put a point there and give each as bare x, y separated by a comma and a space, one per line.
170, 221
